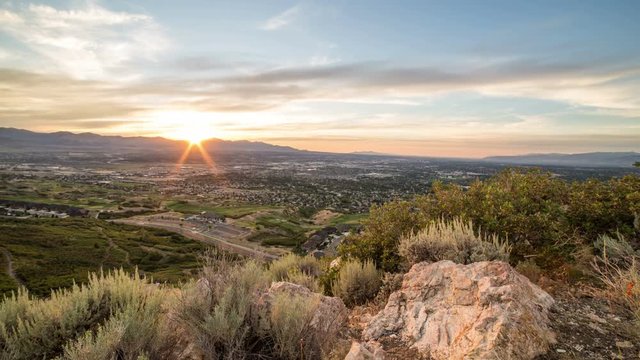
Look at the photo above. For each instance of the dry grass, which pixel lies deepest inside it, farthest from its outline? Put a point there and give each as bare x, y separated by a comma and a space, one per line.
618, 267
453, 240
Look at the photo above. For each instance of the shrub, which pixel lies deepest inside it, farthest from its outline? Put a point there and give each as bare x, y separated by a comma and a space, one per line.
216, 312
620, 273
300, 278
301, 270
289, 321
357, 282
529, 269
453, 240
540, 214
391, 282
615, 250
31, 328
225, 315
383, 229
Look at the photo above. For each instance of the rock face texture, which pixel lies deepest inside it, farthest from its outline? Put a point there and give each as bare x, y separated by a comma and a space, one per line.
484, 310
365, 351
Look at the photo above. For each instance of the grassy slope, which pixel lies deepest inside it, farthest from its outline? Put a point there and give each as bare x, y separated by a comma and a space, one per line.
89, 196
350, 219
233, 212
51, 253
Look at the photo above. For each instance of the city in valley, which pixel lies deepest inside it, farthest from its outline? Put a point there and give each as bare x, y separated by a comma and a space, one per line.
319, 180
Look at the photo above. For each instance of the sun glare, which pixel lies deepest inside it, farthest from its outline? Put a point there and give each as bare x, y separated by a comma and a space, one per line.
194, 138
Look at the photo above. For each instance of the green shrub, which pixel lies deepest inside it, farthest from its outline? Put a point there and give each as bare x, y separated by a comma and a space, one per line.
357, 282
383, 229
301, 270
216, 312
453, 240
224, 314
298, 277
540, 214
289, 321
39, 329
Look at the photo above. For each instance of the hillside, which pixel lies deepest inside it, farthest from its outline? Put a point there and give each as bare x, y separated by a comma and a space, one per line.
24, 140
45, 254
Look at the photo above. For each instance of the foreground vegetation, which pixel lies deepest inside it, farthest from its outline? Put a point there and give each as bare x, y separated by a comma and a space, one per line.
542, 217
542, 225
53, 253
222, 315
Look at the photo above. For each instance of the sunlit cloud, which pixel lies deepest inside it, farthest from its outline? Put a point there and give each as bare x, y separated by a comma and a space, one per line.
87, 67
88, 42
281, 20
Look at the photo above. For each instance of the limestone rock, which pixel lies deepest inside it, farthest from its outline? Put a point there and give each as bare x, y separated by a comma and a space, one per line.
484, 310
365, 351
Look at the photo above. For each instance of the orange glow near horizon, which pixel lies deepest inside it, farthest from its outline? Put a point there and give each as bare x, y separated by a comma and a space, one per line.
205, 156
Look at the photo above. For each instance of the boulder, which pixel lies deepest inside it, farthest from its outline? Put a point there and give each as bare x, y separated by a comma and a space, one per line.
484, 310
365, 351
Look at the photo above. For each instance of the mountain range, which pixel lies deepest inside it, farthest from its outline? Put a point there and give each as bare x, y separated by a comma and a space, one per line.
593, 159
12, 139
19, 140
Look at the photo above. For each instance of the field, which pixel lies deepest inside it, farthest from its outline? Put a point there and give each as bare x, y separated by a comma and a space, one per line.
88, 194
234, 212
52, 253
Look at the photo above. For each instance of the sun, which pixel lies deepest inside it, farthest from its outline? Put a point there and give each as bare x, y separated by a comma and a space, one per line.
193, 136
191, 126
195, 139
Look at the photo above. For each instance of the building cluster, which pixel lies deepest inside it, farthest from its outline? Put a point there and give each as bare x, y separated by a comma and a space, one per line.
325, 241
38, 213
207, 217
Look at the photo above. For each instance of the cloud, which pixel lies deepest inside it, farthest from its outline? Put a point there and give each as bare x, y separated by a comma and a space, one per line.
281, 20
87, 43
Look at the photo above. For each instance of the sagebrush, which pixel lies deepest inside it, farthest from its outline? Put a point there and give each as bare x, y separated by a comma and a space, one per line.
356, 282
454, 240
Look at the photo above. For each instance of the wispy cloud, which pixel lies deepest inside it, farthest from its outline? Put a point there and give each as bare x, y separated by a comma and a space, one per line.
283, 19
88, 42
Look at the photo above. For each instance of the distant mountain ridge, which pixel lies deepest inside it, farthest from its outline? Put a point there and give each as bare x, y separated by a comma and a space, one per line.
592, 159
19, 140
25, 140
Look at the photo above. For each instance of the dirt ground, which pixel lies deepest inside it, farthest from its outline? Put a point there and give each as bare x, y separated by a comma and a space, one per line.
322, 217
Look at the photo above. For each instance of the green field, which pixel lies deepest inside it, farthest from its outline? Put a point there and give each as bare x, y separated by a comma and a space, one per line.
281, 230
52, 253
350, 219
88, 196
233, 212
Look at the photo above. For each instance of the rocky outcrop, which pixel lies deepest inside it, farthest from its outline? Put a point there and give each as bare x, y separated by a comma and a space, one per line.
365, 351
484, 310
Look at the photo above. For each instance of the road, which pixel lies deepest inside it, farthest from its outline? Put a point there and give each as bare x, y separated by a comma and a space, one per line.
200, 233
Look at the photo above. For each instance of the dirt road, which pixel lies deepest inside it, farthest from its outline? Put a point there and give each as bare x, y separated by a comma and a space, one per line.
9, 267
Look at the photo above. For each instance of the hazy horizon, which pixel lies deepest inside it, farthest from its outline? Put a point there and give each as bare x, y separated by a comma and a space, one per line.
455, 79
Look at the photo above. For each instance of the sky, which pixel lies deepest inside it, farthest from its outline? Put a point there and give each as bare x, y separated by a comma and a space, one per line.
434, 78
